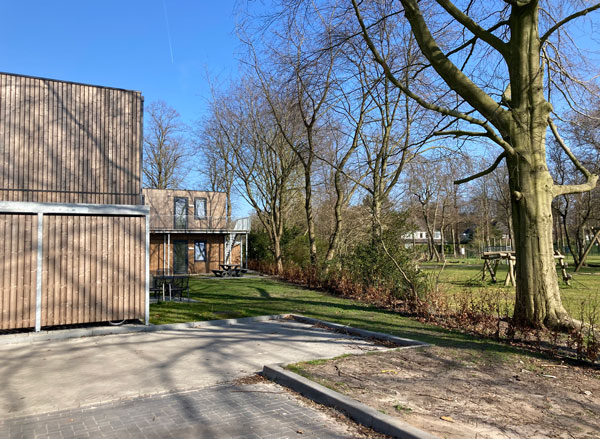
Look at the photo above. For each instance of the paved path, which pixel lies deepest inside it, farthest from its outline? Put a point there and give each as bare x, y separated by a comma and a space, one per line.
72, 374
224, 411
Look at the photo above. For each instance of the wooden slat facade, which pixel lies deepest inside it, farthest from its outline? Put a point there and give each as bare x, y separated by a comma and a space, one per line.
69, 143
162, 208
64, 142
162, 257
18, 262
93, 269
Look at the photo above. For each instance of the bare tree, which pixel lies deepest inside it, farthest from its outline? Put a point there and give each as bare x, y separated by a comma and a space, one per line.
264, 166
295, 69
215, 150
164, 147
522, 48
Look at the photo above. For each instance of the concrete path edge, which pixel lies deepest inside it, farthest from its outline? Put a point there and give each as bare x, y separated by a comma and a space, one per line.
363, 333
358, 411
64, 334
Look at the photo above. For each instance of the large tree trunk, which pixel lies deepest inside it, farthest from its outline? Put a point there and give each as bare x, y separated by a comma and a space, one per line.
538, 301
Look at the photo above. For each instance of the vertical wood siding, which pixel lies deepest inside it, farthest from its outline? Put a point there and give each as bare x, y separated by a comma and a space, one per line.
162, 210
18, 264
69, 143
215, 248
93, 269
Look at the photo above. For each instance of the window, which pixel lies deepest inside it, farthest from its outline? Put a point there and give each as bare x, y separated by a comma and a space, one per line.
200, 208
199, 251
181, 213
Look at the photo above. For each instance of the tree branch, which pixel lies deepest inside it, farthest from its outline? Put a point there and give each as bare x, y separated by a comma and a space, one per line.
566, 20
484, 172
449, 72
473, 27
458, 133
494, 113
474, 39
592, 179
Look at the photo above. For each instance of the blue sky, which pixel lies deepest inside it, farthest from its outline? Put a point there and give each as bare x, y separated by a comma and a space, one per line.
126, 44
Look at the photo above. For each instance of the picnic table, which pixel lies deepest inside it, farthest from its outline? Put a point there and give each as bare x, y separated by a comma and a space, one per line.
230, 270
492, 259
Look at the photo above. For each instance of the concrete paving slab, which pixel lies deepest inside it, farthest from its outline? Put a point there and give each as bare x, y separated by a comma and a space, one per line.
57, 375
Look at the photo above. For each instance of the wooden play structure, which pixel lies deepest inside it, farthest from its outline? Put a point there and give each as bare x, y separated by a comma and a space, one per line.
595, 239
491, 260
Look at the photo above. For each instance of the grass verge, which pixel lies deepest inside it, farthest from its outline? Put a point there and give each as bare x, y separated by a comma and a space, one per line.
247, 297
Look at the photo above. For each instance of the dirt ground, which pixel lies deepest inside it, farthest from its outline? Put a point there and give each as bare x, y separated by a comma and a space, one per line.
456, 393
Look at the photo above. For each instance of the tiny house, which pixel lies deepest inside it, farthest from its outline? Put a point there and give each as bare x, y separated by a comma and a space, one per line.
191, 233
73, 226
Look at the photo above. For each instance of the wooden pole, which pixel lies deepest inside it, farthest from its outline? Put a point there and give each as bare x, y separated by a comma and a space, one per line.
588, 249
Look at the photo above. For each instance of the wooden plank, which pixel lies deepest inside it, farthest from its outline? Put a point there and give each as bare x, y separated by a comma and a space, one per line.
3, 129
62, 253
93, 269
86, 253
11, 137
46, 169
47, 303
17, 134
76, 270
4, 272
128, 268
137, 256
14, 270
25, 289
105, 142
54, 266
121, 246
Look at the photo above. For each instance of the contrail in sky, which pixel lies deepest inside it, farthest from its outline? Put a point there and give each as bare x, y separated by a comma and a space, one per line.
168, 30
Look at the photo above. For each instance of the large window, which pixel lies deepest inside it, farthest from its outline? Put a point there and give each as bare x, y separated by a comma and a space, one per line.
199, 251
181, 213
200, 208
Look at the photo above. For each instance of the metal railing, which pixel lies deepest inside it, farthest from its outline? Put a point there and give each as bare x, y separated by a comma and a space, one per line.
191, 223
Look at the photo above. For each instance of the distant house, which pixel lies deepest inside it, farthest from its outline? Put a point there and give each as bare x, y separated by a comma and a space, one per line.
421, 237
190, 231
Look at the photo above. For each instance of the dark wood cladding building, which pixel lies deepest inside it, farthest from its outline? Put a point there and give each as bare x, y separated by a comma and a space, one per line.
74, 234
64, 142
191, 233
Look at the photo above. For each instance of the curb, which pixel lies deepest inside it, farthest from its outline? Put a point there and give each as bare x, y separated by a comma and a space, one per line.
358, 411
66, 334
363, 333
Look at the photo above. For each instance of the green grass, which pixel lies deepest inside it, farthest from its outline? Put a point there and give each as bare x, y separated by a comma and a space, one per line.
245, 297
402, 409
465, 275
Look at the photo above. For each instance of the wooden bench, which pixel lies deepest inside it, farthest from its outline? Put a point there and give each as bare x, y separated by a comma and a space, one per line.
219, 273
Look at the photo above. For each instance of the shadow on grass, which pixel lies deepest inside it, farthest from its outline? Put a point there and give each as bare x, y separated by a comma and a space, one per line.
249, 298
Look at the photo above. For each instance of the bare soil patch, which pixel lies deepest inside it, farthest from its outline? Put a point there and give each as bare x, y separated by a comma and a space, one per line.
457, 393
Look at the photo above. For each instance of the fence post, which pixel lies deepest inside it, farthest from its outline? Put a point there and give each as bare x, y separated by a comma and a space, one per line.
38, 289
147, 285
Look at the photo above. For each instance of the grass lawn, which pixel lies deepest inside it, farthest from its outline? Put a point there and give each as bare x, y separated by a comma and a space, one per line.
220, 298
461, 275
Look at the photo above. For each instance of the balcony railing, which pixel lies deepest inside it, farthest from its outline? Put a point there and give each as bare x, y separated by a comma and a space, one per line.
176, 223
